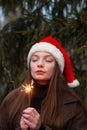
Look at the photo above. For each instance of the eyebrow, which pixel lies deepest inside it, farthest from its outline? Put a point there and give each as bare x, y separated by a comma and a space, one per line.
43, 56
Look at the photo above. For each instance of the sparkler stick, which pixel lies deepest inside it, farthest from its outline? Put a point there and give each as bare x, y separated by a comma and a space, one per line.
28, 90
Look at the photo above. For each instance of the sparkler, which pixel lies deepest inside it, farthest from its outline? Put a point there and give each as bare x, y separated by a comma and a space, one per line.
28, 90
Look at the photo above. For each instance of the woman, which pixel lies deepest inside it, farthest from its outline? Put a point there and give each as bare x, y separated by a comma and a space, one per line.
51, 104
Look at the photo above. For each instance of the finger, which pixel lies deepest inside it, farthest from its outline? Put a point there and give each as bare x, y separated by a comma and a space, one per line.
30, 111
23, 124
26, 121
32, 121
31, 114
28, 117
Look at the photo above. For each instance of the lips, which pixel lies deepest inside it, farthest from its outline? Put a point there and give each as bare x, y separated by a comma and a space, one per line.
40, 72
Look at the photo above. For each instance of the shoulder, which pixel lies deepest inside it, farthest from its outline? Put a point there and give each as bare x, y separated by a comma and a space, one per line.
69, 96
73, 111
72, 104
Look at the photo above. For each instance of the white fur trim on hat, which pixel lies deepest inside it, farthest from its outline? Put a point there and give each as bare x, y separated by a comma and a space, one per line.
74, 84
43, 46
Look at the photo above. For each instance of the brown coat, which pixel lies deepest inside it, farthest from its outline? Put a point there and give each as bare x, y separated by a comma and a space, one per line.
75, 118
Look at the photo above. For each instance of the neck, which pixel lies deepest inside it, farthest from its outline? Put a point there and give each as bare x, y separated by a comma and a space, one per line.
45, 82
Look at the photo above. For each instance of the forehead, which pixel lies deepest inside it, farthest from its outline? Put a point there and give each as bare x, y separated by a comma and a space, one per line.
40, 53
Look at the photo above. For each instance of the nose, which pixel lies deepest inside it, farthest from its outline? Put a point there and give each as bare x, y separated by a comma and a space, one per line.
40, 63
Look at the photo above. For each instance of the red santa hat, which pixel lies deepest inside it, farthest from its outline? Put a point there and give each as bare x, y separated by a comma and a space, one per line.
51, 45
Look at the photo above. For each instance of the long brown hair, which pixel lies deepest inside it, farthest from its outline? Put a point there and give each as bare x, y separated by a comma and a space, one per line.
51, 107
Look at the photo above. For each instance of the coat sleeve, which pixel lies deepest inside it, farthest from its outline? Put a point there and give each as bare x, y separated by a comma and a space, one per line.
79, 121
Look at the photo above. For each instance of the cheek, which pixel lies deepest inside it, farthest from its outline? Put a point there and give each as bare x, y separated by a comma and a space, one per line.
51, 70
32, 66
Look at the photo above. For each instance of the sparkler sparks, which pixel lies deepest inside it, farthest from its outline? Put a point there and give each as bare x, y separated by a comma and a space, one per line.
28, 87
28, 90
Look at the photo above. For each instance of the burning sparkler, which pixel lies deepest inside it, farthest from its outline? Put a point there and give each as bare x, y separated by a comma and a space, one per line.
28, 90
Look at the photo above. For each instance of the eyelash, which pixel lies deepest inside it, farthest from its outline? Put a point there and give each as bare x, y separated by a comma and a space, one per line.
35, 60
48, 60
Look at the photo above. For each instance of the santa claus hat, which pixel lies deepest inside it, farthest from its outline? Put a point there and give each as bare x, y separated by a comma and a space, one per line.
51, 45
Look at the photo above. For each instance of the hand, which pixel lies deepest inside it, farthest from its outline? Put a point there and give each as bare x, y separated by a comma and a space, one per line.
30, 119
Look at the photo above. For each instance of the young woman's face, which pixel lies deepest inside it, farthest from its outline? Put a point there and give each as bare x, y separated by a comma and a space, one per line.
42, 66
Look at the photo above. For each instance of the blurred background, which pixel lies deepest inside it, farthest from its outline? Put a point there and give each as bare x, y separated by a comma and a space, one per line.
24, 22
